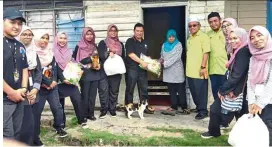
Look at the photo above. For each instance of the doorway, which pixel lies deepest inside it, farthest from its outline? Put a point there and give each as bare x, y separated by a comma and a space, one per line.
157, 22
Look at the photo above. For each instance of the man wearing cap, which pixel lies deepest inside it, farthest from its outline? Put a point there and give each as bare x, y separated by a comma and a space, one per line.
198, 48
15, 74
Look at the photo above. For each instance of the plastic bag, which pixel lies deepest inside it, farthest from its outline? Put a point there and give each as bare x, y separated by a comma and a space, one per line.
72, 72
114, 65
154, 66
249, 131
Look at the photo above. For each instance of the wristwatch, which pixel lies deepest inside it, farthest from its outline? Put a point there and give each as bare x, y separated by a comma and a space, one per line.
202, 67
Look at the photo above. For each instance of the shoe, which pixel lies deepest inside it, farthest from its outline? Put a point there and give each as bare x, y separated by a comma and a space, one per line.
207, 135
102, 115
149, 110
200, 116
62, 133
38, 143
92, 118
224, 127
113, 114
84, 125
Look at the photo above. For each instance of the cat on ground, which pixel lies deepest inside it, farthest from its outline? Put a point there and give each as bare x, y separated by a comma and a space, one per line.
140, 107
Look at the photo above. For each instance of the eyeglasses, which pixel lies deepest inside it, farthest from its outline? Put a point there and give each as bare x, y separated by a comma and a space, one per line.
27, 35
227, 25
113, 31
194, 25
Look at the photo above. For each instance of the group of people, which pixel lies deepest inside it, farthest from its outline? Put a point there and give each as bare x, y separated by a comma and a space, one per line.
237, 62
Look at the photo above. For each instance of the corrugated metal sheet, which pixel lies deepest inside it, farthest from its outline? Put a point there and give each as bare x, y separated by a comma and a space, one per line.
46, 4
71, 22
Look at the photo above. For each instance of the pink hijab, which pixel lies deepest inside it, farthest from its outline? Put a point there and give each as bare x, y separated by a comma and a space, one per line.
260, 58
113, 43
45, 54
235, 25
242, 34
85, 47
62, 54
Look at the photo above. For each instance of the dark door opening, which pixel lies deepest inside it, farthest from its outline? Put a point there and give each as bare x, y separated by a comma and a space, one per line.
157, 22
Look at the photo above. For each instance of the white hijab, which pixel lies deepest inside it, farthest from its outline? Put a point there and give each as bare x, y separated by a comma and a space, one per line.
30, 50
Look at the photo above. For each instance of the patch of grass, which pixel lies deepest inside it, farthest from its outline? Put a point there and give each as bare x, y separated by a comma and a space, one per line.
93, 138
72, 123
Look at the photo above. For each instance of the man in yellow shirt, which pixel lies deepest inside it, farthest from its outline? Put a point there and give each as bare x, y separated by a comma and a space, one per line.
218, 55
198, 48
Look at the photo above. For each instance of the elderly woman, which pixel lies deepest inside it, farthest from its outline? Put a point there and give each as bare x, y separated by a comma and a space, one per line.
259, 85
234, 86
173, 72
35, 74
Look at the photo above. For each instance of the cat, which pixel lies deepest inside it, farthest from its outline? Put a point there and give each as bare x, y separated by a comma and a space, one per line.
95, 60
139, 107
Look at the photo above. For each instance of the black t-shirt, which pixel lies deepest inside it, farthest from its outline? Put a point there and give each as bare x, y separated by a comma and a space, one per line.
136, 47
13, 50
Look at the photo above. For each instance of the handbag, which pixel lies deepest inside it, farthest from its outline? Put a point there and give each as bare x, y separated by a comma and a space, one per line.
229, 104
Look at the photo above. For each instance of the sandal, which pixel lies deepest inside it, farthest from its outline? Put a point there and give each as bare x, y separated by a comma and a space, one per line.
169, 111
184, 112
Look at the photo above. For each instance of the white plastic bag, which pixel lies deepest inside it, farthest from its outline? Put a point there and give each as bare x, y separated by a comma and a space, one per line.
114, 65
72, 72
249, 131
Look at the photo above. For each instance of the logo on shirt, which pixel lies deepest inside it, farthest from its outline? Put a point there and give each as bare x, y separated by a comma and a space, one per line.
23, 52
145, 46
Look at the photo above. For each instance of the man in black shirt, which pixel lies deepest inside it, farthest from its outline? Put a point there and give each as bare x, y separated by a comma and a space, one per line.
15, 74
134, 47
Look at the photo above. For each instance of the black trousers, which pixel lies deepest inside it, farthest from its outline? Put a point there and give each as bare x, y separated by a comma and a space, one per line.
103, 91
266, 116
133, 77
72, 91
53, 99
216, 116
88, 95
114, 84
179, 88
199, 91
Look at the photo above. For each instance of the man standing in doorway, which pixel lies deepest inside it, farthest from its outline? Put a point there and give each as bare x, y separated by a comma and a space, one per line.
218, 55
198, 48
135, 46
15, 74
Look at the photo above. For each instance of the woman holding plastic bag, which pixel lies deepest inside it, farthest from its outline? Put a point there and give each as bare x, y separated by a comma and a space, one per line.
109, 49
63, 56
232, 93
259, 85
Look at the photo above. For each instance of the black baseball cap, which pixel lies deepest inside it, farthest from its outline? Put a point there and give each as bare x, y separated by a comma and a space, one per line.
13, 13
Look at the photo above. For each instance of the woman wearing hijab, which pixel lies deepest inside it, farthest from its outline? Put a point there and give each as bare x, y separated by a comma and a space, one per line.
227, 25
48, 91
63, 56
235, 84
259, 84
173, 72
89, 81
108, 48
35, 74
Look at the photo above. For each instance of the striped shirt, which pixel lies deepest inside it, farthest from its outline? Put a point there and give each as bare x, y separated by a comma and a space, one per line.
173, 71
265, 97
